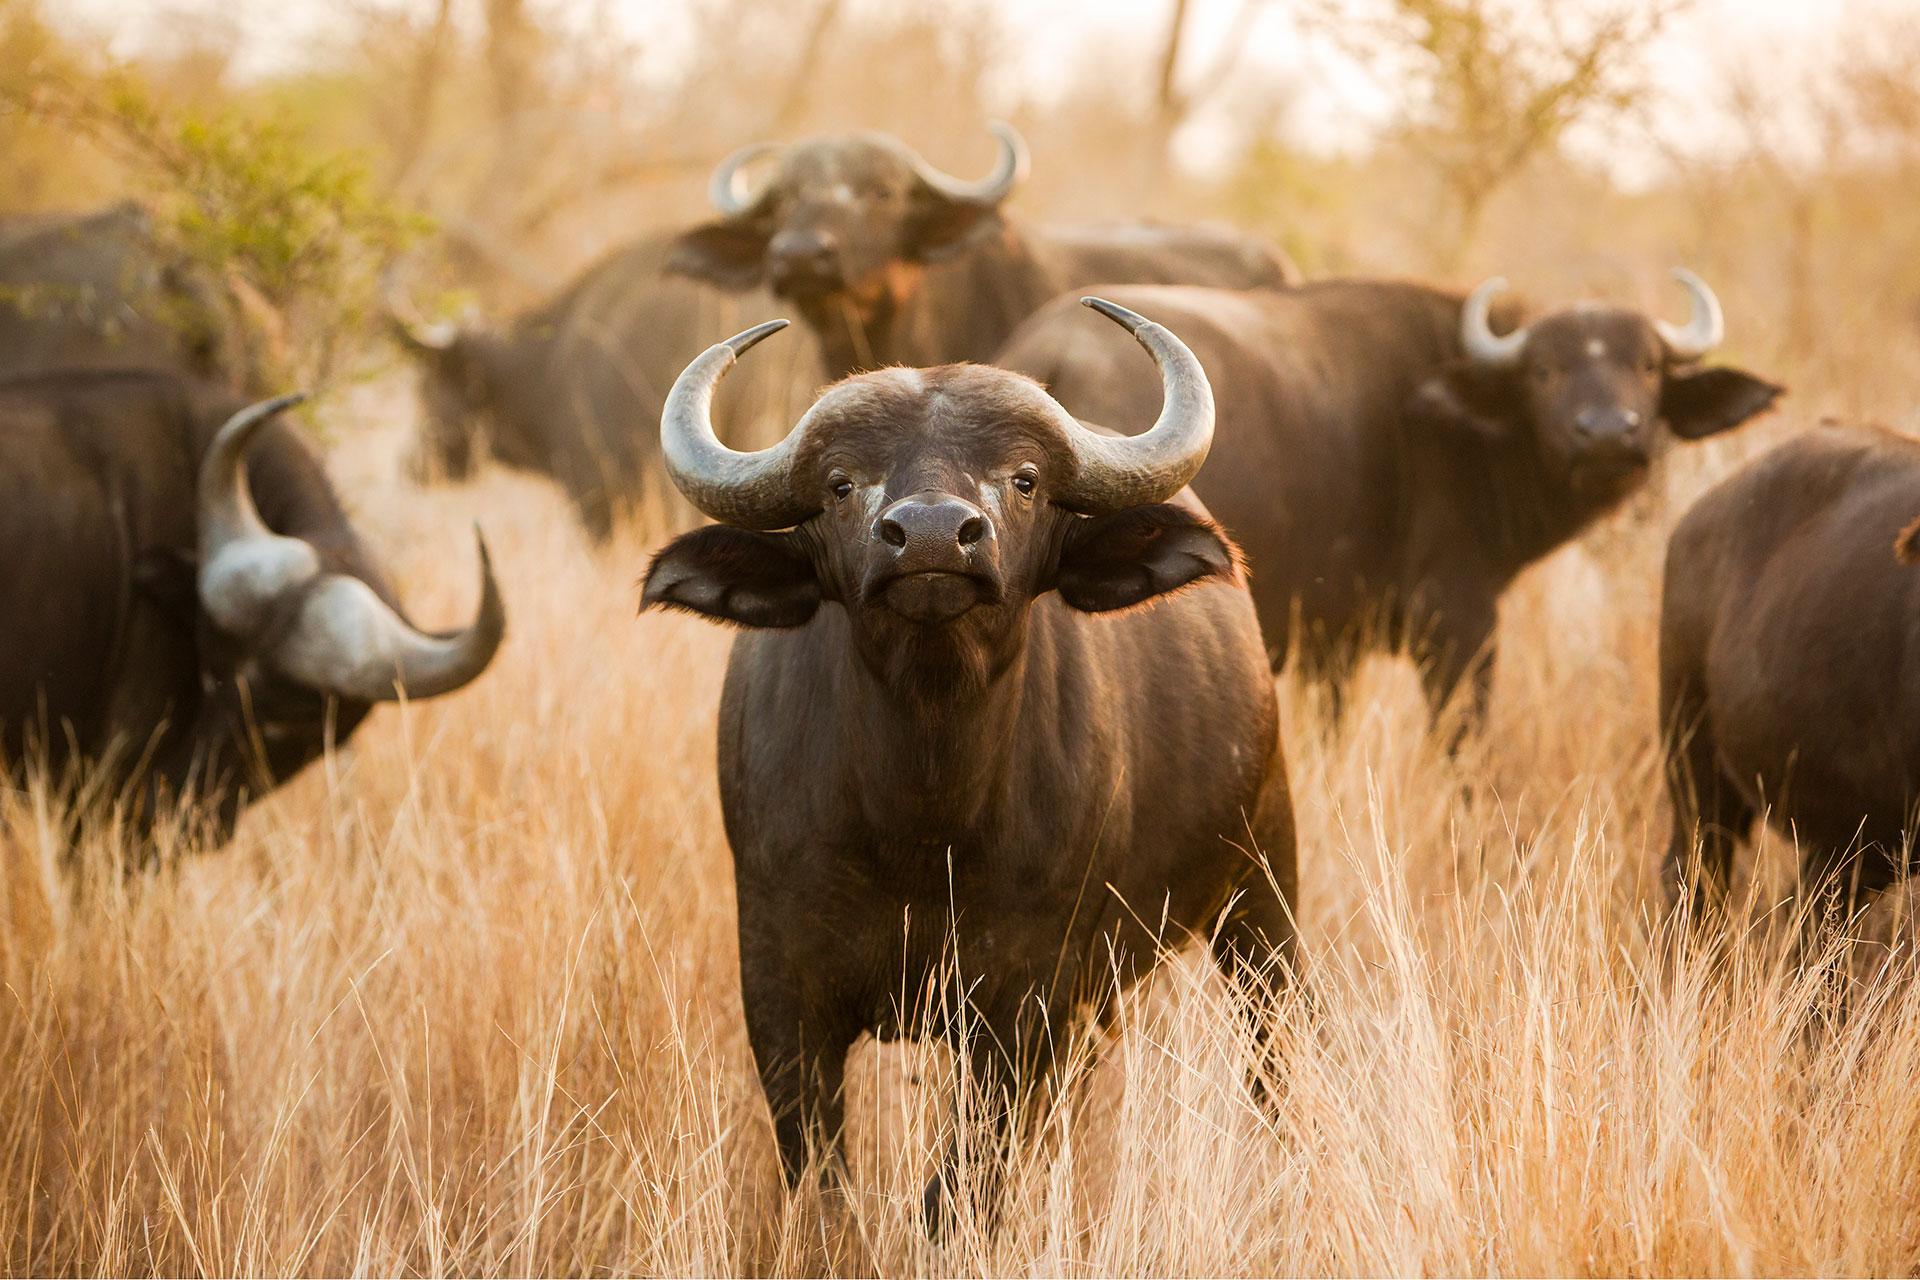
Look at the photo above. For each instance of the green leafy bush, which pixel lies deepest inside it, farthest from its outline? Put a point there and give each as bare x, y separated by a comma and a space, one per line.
294, 236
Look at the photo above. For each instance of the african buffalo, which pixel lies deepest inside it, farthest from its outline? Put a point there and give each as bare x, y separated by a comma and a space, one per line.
556, 391
1390, 463
1788, 661
890, 261
102, 290
952, 733
185, 602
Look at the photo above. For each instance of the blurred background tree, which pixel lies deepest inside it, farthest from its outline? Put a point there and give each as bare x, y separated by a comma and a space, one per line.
1451, 137
295, 235
1490, 86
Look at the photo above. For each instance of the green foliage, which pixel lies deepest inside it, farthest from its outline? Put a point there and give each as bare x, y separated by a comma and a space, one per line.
248, 194
296, 236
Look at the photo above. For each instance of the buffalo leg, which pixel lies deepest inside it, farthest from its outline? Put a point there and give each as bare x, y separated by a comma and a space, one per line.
1707, 806
1321, 657
802, 1062
1330, 663
1255, 942
1838, 884
1454, 647
1011, 1064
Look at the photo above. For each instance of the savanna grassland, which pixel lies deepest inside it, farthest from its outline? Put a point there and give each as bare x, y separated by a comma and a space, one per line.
464, 998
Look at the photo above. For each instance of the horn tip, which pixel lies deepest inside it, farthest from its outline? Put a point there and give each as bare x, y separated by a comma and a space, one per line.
240, 428
1005, 131
740, 343
1132, 321
493, 608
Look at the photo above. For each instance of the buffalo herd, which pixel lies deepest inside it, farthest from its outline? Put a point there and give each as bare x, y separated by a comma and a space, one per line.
1000, 708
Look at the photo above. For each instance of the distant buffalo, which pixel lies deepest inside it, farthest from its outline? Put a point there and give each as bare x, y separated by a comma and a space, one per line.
891, 261
953, 729
1390, 460
1790, 661
185, 602
103, 290
558, 390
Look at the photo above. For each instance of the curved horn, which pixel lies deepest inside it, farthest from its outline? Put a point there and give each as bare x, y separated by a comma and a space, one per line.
727, 188
245, 567
996, 186
349, 642
1706, 327
1112, 472
410, 329
345, 639
746, 489
1477, 336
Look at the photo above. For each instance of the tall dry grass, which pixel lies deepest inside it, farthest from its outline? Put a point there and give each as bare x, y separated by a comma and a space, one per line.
465, 999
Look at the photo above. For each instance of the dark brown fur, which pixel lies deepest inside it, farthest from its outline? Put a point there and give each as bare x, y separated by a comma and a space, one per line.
101, 290
1044, 784
108, 656
1788, 661
906, 275
1383, 486
573, 388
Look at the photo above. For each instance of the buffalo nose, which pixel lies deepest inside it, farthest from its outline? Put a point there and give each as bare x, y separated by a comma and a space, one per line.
1601, 424
803, 253
932, 523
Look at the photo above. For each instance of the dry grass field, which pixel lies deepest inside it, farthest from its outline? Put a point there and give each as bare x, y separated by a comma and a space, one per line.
465, 999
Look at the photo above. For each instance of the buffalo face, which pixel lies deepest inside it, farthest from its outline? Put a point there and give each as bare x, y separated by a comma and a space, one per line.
842, 225
934, 507
468, 373
1597, 391
454, 399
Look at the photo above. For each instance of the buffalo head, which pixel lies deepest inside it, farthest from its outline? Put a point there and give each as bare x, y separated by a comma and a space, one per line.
294, 646
1593, 388
934, 506
841, 225
468, 374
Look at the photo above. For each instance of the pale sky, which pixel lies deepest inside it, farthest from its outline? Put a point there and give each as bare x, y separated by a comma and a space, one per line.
1337, 104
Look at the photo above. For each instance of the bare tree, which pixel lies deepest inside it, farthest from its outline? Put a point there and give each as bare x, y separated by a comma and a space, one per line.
1491, 85
1176, 102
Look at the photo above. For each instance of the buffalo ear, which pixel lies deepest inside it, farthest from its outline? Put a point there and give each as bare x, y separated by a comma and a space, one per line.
1713, 400
730, 253
734, 575
1467, 397
1132, 556
943, 227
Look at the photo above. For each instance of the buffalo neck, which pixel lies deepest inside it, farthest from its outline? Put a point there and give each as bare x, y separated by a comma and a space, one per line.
854, 339
962, 308
931, 757
1518, 507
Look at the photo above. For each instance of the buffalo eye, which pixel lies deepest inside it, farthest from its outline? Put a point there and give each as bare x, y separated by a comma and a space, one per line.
841, 487
1025, 482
